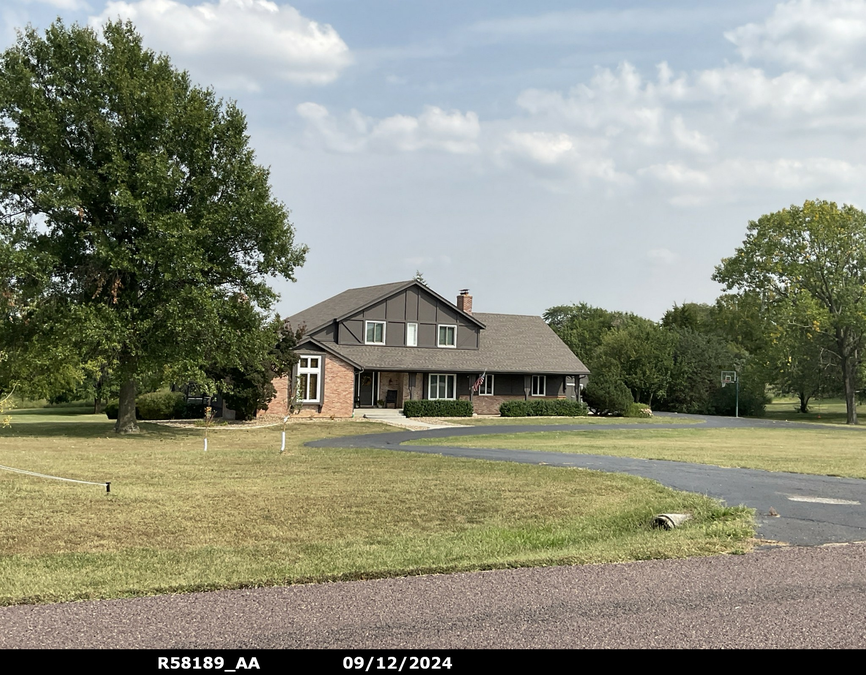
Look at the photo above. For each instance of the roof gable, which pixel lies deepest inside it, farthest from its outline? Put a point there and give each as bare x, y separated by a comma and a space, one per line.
355, 300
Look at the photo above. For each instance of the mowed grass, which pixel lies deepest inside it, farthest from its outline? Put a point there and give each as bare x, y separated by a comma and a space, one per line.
179, 519
831, 452
821, 411
588, 421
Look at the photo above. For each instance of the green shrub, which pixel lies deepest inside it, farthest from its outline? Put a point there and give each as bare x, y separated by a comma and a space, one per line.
160, 405
556, 407
752, 403
111, 409
637, 410
513, 409
607, 395
438, 408
170, 405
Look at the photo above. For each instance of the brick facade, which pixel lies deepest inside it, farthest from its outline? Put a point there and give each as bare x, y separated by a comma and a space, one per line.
489, 405
338, 393
390, 380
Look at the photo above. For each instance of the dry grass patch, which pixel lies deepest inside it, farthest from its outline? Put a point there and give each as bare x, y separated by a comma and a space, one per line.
180, 519
831, 452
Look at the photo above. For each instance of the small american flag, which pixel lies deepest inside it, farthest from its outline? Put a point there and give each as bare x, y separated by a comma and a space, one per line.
479, 382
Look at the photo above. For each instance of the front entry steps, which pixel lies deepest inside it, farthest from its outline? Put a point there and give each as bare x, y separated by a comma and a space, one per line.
396, 418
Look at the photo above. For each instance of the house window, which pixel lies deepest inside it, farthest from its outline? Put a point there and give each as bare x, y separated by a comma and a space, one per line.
447, 336
486, 388
411, 334
309, 376
539, 385
441, 386
375, 333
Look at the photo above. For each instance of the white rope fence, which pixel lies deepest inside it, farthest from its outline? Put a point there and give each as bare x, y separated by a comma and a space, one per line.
43, 475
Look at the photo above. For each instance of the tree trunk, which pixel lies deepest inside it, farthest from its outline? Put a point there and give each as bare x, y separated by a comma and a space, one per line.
126, 410
97, 406
804, 403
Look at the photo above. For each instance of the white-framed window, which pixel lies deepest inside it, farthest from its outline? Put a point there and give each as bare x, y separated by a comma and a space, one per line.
374, 332
411, 334
447, 336
486, 388
309, 377
442, 386
539, 385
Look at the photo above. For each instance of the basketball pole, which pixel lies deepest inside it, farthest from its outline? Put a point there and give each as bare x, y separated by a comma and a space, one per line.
737, 408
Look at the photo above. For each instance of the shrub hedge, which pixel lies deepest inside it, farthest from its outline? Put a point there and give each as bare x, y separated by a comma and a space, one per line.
607, 395
637, 410
554, 407
161, 405
438, 408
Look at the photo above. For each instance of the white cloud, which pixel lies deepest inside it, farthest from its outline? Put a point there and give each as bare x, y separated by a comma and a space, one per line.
552, 155
541, 147
814, 101
690, 139
613, 103
814, 36
237, 43
730, 179
694, 138
434, 129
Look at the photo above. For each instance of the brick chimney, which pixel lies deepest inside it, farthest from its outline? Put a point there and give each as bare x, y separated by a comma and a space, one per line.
464, 301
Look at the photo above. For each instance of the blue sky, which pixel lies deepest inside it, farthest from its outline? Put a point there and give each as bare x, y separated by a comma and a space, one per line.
537, 153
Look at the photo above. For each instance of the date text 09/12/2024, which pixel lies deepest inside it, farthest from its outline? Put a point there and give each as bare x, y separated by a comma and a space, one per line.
357, 663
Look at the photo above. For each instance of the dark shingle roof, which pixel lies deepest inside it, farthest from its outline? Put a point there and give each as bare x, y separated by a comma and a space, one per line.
326, 311
510, 344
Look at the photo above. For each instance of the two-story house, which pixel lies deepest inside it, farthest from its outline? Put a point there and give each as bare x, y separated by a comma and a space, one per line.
402, 341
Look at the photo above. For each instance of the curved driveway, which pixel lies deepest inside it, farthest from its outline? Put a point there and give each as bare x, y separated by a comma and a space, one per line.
812, 509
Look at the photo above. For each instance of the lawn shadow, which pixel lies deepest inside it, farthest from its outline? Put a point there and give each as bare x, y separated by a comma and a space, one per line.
89, 429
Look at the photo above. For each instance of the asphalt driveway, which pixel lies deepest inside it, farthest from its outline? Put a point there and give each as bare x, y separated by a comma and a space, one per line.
812, 510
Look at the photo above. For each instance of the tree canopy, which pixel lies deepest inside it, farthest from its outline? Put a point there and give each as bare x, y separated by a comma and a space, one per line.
135, 219
808, 265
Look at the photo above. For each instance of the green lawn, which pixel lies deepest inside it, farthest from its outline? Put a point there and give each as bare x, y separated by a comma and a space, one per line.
821, 411
240, 515
833, 452
589, 421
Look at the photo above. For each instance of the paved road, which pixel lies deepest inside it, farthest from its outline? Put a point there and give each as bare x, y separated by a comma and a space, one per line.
812, 510
785, 597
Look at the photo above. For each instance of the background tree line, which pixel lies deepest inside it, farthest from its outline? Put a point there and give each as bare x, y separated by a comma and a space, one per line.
795, 323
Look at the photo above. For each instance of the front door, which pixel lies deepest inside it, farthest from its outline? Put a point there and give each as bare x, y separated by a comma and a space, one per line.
367, 387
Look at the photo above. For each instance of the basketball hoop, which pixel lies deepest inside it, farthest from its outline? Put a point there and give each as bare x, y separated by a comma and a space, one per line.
730, 377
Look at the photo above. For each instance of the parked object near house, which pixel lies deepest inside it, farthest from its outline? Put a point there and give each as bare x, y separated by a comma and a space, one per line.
402, 341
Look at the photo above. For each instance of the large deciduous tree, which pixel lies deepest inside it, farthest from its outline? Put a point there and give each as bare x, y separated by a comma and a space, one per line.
808, 264
583, 327
642, 355
139, 195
